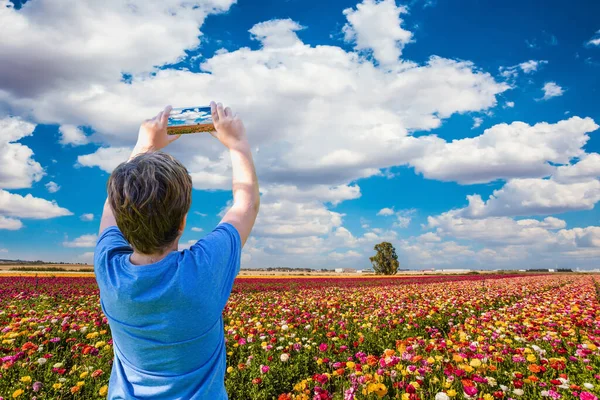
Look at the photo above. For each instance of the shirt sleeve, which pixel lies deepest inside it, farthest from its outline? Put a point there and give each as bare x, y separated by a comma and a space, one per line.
110, 243
218, 258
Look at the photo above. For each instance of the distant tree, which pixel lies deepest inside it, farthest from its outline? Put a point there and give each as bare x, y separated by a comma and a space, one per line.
385, 262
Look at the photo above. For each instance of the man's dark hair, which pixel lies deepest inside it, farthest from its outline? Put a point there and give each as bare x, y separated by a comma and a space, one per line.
150, 195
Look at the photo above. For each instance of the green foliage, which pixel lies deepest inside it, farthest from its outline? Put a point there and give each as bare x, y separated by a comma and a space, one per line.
385, 262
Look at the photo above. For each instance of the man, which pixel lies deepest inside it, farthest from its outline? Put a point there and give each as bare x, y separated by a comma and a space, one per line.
164, 306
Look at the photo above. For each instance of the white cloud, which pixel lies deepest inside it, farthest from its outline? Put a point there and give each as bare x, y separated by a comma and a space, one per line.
277, 33
196, 229
17, 167
477, 121
509, 104
551, 89
67, 47
87, 217
527, 67
337, 256
186, 245
10, 224
70, 134
386, 211
106, 158
531, 65
595, 41
17, 206
52, 187
376, 25
587, 168
535, 197
3, 250
200, 214
403, 217
82, 241
87, 257
506, 151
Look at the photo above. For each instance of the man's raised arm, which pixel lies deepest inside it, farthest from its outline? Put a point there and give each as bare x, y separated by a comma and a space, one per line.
246, 199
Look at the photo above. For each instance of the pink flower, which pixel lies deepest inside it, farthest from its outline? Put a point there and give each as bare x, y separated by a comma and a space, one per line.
323, 347
587, 396
470, 390
264, 369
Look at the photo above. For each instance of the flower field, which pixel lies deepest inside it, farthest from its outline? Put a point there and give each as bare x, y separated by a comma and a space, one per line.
435, 337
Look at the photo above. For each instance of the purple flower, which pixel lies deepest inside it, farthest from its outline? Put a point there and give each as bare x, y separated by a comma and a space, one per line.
37, 386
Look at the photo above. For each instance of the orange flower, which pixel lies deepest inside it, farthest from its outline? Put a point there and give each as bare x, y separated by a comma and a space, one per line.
534, 368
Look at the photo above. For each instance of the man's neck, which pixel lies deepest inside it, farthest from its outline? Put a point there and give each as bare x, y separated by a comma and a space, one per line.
145, 259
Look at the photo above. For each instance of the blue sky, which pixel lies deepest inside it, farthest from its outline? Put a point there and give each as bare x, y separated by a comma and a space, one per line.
370, 120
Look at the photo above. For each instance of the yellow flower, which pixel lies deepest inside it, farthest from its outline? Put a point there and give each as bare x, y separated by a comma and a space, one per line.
26, 379
457, 358
100, 344
57, 386
103, 390
80, 383
475, 363
83, 375
430, 360
350, 365
451, 393
229, 370
531, 358
488, 396
17, 393
405, 396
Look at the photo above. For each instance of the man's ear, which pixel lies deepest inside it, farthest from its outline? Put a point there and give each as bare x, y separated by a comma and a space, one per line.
182, 226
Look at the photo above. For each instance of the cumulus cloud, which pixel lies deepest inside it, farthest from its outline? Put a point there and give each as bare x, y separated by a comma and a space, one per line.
507, 151
17, 206
375, 25
535, 197
106, 158
196, 229
52, 187
526, 67
18, 169
587, 168
552, 89
11, 224
403, 217
70, 134
477, 121
277, 33
82, 241
87, 217
386, 211
67, 47
594, 41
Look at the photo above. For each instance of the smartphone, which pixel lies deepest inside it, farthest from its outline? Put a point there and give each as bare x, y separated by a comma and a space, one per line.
187, 120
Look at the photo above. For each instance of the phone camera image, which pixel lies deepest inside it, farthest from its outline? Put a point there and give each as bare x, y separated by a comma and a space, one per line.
188, 120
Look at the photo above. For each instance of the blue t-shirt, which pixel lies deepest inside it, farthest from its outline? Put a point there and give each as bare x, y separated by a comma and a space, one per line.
166, 318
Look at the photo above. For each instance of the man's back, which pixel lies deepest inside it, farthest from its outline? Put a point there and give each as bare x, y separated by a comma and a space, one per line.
166, 317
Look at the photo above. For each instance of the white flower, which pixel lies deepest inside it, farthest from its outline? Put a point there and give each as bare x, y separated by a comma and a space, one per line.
544, 393
491, 381
504, 388
442, 396
284, 357
588, 385
518, 392
307, 327
279, 348
57, 365
41, 361
284, 328
84, 329
61, 380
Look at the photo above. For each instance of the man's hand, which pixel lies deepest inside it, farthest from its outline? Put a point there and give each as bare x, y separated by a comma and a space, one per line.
246, 197
153, 134
230, 129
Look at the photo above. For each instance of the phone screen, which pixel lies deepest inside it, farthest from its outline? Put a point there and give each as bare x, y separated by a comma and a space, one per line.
190, 120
